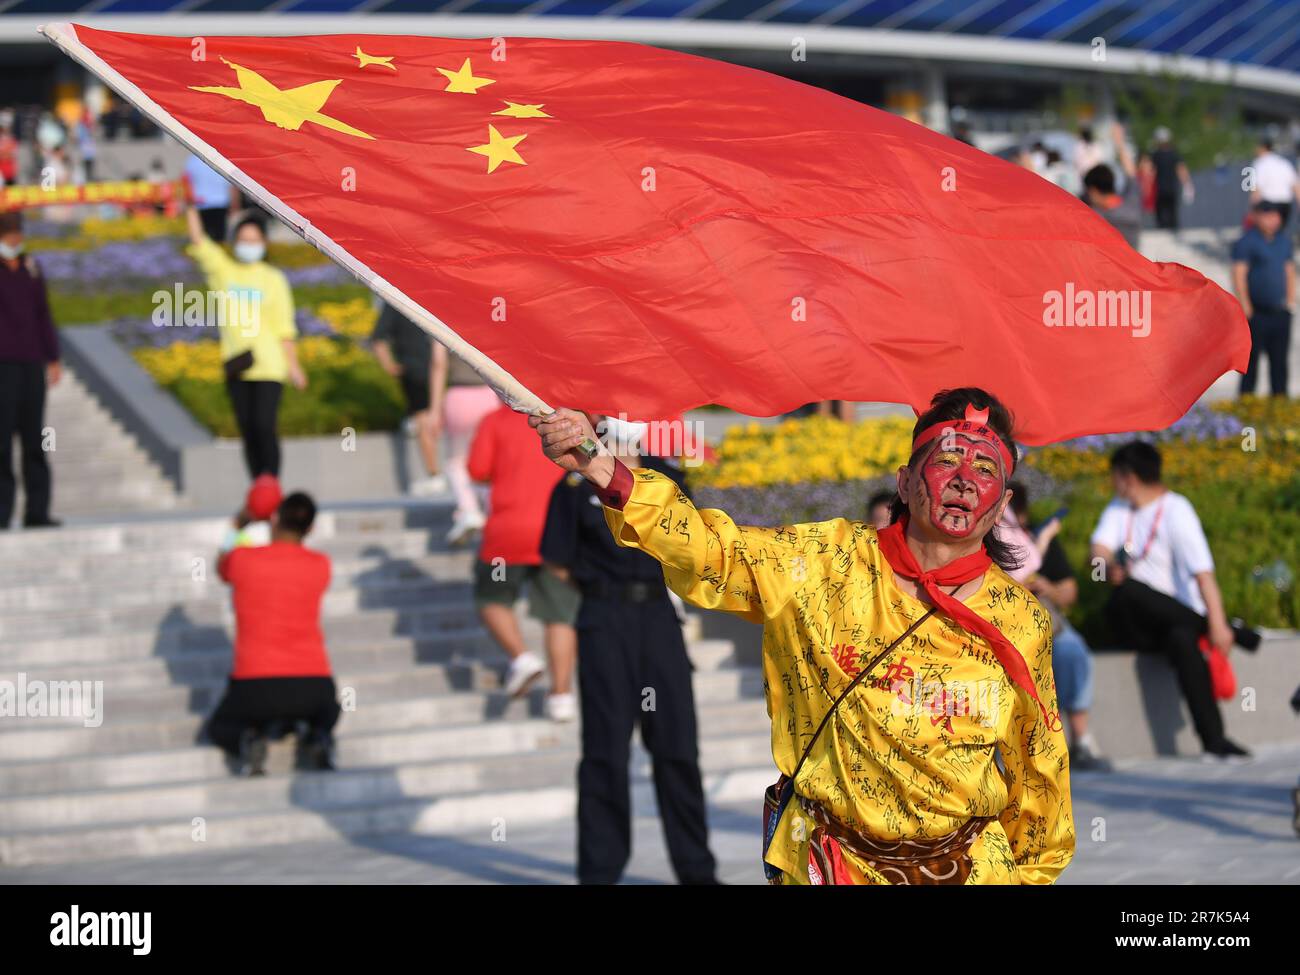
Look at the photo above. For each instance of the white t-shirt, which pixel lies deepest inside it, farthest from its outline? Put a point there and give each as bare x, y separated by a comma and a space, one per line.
1168, 560
1275, 178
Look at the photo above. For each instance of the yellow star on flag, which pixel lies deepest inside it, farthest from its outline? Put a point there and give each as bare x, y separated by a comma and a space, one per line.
365, 60
514, 110
288, 108
463, 81
500, 149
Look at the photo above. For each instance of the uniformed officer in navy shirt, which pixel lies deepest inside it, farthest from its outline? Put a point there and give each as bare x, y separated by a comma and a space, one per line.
632, 666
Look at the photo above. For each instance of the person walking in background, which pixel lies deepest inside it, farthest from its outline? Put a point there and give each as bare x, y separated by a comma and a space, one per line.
504, 454
1146, 179
1165, 596
633, 668
1263, 277
405, 351
460, 400
1087, 153
8, 150
1276, 180
211, 195
1173, 181
29, 363
257, 334
1123, 211
1046, 572
87, 151
281, 679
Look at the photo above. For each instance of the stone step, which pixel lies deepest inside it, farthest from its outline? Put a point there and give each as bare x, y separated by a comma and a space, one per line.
33, 792
214, 610
549, 759
179, 635
123, 569
138, 585
34, 741
128, 705
182, 633
211, 664
356, 527
52, 565
39, 741
541, 790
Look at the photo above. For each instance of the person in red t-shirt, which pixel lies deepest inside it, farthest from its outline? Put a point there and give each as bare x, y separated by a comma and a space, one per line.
505, 454
281, 677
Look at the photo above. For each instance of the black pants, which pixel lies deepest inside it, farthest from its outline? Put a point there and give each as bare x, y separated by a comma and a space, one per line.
632, 667
214, 222
1270, 335
271, 706
257, 405
1151, 622
22, 413
1167, 209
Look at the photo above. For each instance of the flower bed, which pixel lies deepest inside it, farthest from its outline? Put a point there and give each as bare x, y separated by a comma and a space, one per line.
1248, 499
108, 271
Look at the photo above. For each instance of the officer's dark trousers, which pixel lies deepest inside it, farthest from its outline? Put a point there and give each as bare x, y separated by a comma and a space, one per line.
1150, 621
632, 667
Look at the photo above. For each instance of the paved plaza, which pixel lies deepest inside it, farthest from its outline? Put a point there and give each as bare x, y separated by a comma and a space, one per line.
1166, 821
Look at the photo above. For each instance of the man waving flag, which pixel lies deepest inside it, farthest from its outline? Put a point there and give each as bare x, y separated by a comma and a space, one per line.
626, 229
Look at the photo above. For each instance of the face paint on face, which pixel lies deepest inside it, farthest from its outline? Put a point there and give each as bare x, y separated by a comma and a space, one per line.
963, 481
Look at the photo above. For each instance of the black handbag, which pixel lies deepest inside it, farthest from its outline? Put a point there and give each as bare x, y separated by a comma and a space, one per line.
237, 365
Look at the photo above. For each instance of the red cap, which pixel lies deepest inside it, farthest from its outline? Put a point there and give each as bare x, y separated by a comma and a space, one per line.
263, 497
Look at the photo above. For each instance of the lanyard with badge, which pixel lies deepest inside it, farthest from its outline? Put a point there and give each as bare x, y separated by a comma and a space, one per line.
1128, 535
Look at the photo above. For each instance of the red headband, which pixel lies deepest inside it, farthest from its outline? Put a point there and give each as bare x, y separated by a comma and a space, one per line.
976, 424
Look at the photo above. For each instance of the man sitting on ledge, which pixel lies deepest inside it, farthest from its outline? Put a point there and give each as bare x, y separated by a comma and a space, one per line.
281, 678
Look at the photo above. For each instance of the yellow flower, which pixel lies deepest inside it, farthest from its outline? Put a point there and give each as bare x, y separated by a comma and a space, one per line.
810, 449
355, 318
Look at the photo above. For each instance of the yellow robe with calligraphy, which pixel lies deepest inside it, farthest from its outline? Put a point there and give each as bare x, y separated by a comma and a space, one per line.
896, 761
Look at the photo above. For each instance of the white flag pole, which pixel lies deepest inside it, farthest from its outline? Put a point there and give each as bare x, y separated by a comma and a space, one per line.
516, 395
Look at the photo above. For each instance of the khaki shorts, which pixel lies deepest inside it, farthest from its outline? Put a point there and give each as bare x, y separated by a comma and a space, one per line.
550, 598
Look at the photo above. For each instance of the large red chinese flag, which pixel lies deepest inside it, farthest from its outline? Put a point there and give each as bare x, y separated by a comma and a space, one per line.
629, 229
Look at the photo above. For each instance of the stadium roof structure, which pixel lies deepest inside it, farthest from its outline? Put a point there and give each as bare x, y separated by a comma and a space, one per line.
1252, 43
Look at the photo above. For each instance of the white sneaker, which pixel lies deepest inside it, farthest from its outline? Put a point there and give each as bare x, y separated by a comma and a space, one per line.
561, 707
524, 669
462, 526
429, 486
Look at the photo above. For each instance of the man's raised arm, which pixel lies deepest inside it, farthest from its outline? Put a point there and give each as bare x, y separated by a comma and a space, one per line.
708, 560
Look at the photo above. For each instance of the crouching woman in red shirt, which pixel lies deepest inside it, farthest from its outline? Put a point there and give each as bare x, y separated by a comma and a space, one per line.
281, 679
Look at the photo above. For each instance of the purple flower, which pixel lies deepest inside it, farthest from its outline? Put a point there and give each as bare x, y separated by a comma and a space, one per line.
329, 273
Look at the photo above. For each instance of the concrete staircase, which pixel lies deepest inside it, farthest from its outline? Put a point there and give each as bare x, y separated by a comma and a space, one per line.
98, 468
431, 745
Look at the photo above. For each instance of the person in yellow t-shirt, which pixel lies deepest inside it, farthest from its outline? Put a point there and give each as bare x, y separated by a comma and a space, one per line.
908, 678
254, 312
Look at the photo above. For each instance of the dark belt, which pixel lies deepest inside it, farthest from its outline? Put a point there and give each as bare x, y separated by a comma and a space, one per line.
938, 860
625, 592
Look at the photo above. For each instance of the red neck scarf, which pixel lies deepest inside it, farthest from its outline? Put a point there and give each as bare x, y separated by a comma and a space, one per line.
893, 544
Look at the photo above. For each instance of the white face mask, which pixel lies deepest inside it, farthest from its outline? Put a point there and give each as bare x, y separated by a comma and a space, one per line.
249, 252
10, 251
623, 436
